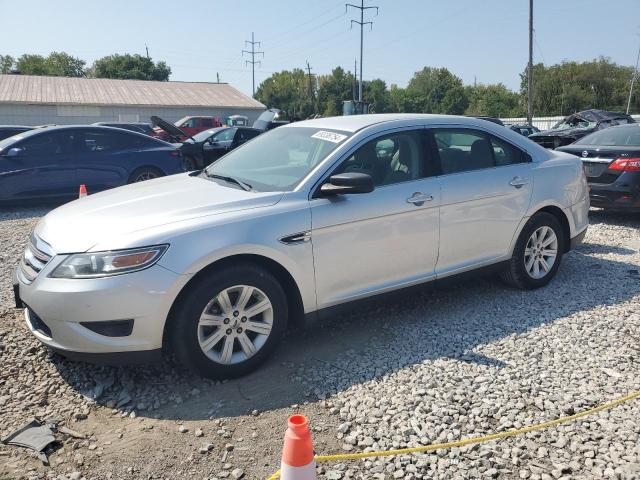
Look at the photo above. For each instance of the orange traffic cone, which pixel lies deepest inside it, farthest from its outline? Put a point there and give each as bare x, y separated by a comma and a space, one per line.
298, 462
83, 191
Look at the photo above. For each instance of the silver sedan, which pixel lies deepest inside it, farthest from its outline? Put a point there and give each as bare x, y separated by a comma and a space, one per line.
216, 264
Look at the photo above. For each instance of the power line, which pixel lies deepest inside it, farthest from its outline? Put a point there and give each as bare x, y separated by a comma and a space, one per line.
253, 61
362, 23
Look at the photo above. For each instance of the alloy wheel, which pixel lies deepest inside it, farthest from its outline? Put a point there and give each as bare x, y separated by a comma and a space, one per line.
235, 324
141, 177
541, 252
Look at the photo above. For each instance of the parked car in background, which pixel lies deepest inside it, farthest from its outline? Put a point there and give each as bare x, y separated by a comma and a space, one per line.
611, 160
524, 129
7, 131
270, 119
189, 125
216, 265
237, 121
139, 127
206, 147
579, 125
52, 162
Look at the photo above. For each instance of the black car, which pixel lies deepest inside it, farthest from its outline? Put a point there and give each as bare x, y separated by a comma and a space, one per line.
524, 129
206, 147
579, 125
139, 127
7, 131
611, 160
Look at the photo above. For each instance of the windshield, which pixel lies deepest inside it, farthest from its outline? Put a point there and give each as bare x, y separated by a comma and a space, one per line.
616, 136
279, 159
202, 136
573, 122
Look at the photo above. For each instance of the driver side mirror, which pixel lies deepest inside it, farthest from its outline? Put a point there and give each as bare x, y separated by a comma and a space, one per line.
13, 152
346, 183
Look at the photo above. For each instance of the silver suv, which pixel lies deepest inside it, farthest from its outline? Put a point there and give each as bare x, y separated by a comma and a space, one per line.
216, 264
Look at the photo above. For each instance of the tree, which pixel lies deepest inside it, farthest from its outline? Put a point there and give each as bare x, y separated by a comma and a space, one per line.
289, 91
58, 64
62, 64
32, 65
130, 67
493, 101
437, 90
6, 63
333, 90
376, 93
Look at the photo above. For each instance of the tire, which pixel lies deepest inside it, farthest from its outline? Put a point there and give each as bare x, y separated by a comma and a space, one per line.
145, 173
527, 253
202, 347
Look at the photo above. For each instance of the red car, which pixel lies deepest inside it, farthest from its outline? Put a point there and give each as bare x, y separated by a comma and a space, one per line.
189, 125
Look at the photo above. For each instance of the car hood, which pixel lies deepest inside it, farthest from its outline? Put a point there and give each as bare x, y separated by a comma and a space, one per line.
80, 225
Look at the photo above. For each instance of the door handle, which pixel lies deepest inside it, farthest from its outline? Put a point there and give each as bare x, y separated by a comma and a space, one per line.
418, 198
518, 182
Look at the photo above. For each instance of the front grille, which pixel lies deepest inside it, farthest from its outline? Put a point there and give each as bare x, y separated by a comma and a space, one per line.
38, 324
34, 259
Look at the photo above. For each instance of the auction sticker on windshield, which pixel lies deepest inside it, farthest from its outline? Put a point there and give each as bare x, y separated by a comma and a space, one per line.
329, 136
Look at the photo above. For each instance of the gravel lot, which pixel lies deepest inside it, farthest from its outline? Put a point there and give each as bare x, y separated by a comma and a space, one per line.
440, 364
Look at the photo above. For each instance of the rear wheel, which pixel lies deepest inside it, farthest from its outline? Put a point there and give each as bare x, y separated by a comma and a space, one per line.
229, 322
145, 173
537, 254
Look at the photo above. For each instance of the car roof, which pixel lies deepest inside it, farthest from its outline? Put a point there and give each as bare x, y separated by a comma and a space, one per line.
10, 127
353, 123
54, 128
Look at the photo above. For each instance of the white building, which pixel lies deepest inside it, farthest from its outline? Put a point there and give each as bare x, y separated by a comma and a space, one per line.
38, 100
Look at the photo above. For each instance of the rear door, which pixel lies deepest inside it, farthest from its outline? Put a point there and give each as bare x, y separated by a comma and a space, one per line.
42, 169
486, 189
104, 158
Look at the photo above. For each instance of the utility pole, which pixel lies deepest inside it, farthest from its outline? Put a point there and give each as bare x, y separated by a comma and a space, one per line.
218, 77
147, 49
355, 77
633, 80
312, 94
253, 61
362, 23
530, 68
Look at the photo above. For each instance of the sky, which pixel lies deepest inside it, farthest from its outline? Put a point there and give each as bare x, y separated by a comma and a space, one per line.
478, 40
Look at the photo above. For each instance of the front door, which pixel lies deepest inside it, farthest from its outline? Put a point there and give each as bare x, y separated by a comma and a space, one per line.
218, 145
486, 189
369, 243
41, 169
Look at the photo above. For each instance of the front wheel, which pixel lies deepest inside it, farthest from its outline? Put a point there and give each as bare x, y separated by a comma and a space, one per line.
144, 173
537, 254
229, 321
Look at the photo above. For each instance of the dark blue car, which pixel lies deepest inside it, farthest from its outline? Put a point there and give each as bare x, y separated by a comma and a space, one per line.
52, 162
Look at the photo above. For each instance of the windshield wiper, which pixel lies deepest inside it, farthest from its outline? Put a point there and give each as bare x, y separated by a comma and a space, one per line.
240, 183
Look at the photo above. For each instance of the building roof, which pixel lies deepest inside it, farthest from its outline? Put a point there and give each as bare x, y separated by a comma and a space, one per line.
32, 89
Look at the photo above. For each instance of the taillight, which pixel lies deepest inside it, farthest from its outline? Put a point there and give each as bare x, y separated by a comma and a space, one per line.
626, 165
175, 153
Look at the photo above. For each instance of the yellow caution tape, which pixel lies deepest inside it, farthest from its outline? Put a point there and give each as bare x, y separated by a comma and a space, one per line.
472, 440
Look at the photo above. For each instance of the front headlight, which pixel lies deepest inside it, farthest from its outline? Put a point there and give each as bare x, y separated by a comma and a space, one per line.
105, 264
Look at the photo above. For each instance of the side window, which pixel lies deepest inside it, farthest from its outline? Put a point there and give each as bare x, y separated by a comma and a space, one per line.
54, 143
506, 154
389, 159
191, 123
103, 142
206, 123
462, 150
225, 135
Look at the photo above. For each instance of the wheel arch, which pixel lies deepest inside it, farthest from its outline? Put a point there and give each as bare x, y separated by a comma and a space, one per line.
294, 297
139, 168
562, 218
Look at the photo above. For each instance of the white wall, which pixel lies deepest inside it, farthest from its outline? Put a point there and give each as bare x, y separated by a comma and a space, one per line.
20, 114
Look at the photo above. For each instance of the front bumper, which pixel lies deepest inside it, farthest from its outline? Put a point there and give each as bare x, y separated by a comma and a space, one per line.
56, 310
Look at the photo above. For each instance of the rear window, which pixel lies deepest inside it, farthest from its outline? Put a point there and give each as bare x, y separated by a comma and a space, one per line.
614, 136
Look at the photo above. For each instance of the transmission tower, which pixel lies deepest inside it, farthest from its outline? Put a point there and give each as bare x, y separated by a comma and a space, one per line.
362, 23
253, 61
